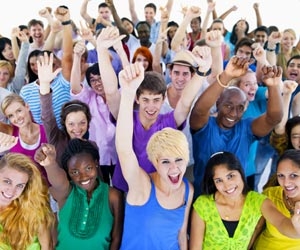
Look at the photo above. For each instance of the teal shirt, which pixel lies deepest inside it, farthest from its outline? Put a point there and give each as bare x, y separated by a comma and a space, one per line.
84, 217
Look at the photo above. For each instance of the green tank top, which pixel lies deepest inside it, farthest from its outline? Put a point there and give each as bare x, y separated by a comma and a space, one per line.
83, 224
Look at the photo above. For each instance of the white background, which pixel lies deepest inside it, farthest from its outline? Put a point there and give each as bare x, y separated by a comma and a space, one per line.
283, 14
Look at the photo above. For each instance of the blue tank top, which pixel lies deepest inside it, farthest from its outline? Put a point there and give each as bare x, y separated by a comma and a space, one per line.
151, 226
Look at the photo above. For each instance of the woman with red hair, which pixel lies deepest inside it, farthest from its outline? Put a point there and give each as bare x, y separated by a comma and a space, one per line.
143, 54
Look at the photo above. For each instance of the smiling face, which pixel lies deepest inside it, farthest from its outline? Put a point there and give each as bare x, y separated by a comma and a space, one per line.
248, 84
171, 170
37, 33
143, 60
18, 114
231, 107
293, 70
295, 137
8, 53
12, 185
180, 75
288, 176
97, 84
82, 169
149, 106
76, 124
4, 76
228, 182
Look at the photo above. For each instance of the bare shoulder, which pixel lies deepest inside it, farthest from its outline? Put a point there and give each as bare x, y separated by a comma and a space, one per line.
115, 196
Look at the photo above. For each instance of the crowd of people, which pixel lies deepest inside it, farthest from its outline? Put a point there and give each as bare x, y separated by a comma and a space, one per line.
145, 134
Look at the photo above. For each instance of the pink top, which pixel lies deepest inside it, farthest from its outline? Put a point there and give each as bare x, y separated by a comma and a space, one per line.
102, 130
29, 150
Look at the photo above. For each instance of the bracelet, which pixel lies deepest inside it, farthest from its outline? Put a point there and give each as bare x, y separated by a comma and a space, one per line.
220, 83
66, 22
271, 50
207, 73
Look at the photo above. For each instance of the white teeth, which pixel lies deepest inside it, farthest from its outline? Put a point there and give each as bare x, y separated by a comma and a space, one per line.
230, 190
85, 182
230, 120
7, 196
289, 188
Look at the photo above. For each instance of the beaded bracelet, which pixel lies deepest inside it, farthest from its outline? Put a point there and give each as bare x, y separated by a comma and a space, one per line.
219, 82
207, 73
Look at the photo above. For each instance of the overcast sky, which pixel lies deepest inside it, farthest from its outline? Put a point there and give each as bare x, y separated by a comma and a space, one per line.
284, 14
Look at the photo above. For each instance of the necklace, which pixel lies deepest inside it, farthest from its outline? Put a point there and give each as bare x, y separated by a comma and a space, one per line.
290, 207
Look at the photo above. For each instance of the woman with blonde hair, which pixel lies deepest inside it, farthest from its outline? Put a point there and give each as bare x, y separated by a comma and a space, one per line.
288, 49
26, 218
22, 134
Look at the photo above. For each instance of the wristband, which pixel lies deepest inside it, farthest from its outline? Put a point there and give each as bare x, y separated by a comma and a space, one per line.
267, 49
66, 22
207, 73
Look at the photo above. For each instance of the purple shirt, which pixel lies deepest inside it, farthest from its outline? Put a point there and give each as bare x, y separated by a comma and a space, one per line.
140, 140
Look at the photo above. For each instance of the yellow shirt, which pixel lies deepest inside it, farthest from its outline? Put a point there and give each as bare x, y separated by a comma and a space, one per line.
271, 238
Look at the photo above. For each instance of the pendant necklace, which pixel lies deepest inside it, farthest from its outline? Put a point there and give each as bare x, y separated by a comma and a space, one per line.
290, 207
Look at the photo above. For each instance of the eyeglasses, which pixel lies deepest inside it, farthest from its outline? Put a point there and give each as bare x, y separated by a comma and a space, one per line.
95, 80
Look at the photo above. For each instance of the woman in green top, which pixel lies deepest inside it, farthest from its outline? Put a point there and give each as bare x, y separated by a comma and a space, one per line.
228, 215
26, 218
90, 212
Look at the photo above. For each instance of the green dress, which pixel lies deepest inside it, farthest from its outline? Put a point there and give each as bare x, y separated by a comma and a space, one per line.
216, 236
84, 224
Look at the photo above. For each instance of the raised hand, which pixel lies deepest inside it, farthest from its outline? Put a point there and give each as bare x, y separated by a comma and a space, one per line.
45, 155
79, 48
271, 75
214, 38
237, 66
289, 87
202, 56
131, 77
259, 53
45, 72
108, 37
62, 14
7, 142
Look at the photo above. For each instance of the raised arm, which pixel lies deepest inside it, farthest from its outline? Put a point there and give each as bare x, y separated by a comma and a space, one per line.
264, 124
117, 19
60, 185
202, 55
210, 9
75, 81
201, 110
214, 40
84, 14
288, 89
138, 181
63, 15
133, 14
227, 12
180, 34
107, 38
20, 71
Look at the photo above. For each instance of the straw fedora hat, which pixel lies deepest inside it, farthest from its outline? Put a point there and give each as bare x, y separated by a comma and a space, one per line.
184, 58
